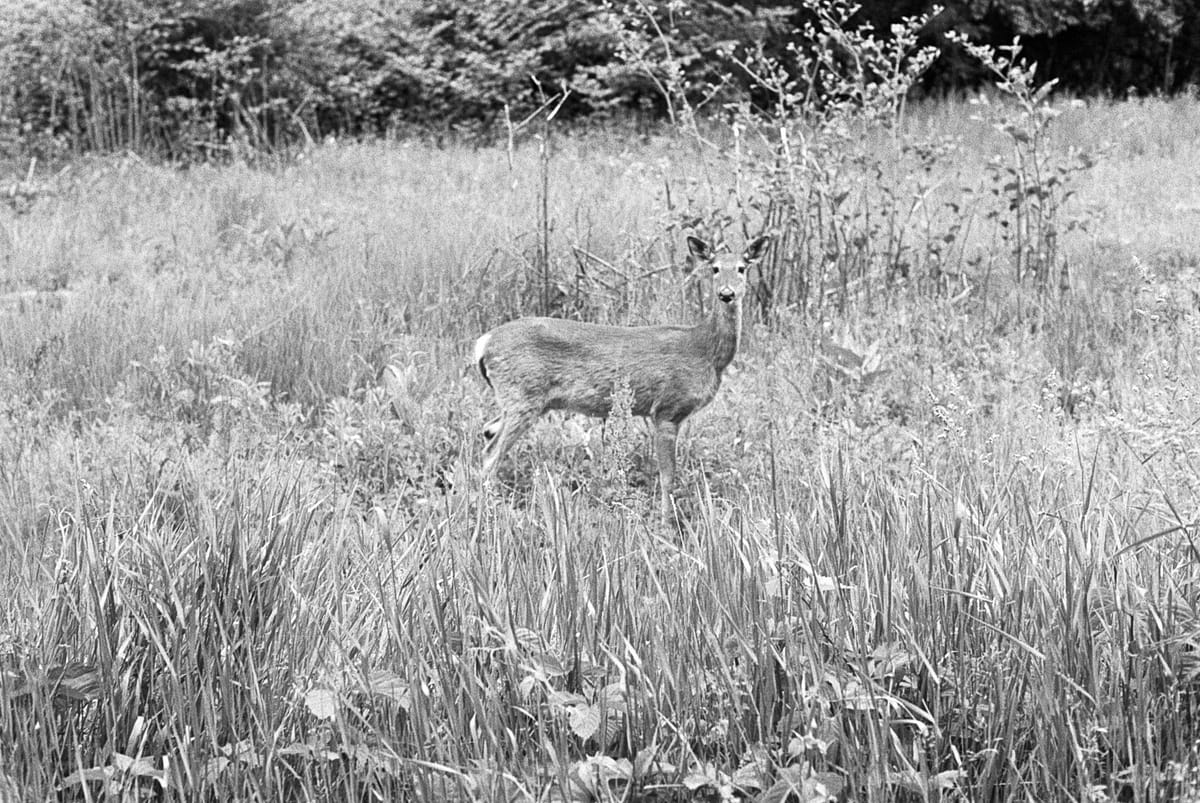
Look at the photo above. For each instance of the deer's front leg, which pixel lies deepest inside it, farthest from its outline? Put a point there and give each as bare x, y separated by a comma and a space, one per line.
664, 443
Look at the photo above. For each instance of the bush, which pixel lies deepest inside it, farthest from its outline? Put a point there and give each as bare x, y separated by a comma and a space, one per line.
197, 77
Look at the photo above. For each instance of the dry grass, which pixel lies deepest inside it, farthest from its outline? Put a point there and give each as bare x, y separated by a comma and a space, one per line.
965, 569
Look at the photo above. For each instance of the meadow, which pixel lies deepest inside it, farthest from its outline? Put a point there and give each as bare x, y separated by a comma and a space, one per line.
937, 533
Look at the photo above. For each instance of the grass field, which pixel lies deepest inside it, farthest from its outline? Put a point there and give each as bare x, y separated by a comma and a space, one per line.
933, 545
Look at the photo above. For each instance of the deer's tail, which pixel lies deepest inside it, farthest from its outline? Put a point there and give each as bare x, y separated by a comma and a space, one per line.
481, 356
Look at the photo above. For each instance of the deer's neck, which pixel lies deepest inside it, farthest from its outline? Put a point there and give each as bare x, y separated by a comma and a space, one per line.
722, 331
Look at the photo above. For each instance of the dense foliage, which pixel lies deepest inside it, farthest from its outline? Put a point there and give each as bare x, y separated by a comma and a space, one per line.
185, 77
937, 534
1110, 45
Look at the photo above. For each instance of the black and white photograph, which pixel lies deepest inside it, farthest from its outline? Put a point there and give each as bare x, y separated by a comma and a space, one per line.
600, 401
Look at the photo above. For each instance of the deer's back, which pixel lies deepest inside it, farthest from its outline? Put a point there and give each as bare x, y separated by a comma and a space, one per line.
569, 365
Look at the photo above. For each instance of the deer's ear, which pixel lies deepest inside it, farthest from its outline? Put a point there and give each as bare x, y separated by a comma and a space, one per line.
699, 249
755, 249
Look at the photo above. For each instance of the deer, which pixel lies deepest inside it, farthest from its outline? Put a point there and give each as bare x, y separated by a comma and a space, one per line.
536, 364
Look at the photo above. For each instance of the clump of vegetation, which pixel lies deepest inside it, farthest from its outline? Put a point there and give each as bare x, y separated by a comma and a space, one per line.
231, 79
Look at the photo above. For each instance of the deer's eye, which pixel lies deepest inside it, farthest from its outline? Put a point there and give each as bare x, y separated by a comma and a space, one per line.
741, 268
716, 270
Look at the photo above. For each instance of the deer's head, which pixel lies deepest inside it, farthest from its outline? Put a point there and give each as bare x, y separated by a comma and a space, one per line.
728, 270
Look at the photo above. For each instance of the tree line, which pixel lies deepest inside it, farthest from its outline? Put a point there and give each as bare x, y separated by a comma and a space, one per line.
188, 78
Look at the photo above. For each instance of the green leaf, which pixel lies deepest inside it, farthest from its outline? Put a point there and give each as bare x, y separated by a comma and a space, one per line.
750, 776
213, 768
702, 775
644, 760
80, 777
322, 703
141, 767
584, 720
385, 683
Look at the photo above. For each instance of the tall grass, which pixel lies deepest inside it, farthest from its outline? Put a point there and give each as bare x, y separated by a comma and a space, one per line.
929, 550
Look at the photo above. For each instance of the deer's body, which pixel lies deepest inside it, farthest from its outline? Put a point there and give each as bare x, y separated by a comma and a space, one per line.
541, 364
573, 366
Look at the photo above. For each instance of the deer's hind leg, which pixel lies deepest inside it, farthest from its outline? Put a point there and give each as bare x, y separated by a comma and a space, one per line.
502, 432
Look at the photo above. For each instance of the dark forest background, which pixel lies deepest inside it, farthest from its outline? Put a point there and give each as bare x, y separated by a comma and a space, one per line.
185, 78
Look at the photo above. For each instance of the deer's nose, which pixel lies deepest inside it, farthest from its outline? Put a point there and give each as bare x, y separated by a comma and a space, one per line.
725, 294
